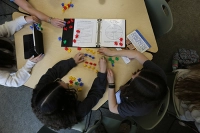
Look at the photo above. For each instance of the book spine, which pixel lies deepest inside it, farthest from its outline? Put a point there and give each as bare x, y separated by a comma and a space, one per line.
98, 32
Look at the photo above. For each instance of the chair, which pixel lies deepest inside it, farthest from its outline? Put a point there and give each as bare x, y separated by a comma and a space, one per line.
161, 21
110, 128
172, 110
150, 120
45, 129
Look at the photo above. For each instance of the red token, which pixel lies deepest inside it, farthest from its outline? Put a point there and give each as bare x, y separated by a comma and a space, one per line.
66, 48
94, 64
65, 28
116, 43
121, 44
65, 7
74, 40
79, 48
68, 5
86, 62
71, 82
91, 63
77, 31
70, 26
76, 36
72, 20
68, 22
121, 39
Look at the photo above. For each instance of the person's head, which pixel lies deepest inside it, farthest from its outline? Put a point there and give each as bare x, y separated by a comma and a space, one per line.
187, 87
145, 86
7, 56
55, 105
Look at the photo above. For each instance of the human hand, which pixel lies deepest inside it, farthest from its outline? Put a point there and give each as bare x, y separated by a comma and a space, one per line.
102, 65
79, 57
105, 51
57, 22
32, 19
37, 58
110, 76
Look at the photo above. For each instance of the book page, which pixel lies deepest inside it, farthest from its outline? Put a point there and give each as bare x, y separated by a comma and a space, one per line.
113, 33
85, 32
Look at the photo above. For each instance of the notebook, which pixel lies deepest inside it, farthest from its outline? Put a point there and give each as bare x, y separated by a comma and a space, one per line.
33, 43
94, 33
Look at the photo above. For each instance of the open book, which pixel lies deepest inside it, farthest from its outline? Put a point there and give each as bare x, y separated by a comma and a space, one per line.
94, 33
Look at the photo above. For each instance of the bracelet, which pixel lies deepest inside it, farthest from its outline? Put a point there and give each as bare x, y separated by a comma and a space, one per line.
111, 85
49, 20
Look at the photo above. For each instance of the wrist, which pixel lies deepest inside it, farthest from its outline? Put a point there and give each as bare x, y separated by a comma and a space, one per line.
111, 85
49, 20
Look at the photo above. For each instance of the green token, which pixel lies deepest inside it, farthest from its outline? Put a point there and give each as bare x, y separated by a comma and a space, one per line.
116, 58
76, 83
110, 58
64, 41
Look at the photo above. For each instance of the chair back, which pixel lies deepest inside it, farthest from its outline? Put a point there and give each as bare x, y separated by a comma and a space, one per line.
161, 21
45, 129
150, 120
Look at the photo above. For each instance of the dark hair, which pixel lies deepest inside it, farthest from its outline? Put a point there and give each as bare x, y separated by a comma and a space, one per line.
7, 59
148, 86
187, 87
55, 106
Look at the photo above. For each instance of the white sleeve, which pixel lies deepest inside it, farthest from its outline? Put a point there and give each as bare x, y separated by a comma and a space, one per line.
196, 115
16, 79
9, 28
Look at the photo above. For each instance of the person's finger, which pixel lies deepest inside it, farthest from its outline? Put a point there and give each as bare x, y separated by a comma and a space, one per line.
32, 57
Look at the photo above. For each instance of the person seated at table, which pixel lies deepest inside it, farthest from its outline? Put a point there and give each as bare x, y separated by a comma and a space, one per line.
9, 76
186, 95
56, 104
30, 9
142, 92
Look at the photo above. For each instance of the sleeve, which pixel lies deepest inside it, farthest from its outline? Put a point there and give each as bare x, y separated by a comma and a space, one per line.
96, 92
153, 67
9, 28
16, 79
59, 70
196, 115
127, 108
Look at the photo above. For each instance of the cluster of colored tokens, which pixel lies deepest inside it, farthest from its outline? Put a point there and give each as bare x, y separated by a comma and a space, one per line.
69, 24
90, 51
67, 6
112, 61
77, 82
90, 65
119, 43
38, 27
69, 50
77, 35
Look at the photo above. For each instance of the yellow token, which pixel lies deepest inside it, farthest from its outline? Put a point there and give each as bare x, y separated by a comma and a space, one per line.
85, 65
93, 52
87, 49
70, 77
89, 66
70, 85
93, 68
96, 71
79, 89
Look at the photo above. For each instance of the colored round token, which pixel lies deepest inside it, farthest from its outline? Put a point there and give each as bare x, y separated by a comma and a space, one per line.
116, 43
66, 48
121, 39
78, 48
78, 31
121, 44
74, 40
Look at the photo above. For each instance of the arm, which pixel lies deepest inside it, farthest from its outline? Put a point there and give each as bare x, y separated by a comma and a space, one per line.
60, 69
133, 54
21, 76
30, 9
9, 28
112, 102
96, 92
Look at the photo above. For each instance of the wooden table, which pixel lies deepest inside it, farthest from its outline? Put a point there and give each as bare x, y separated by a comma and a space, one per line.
134, 11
